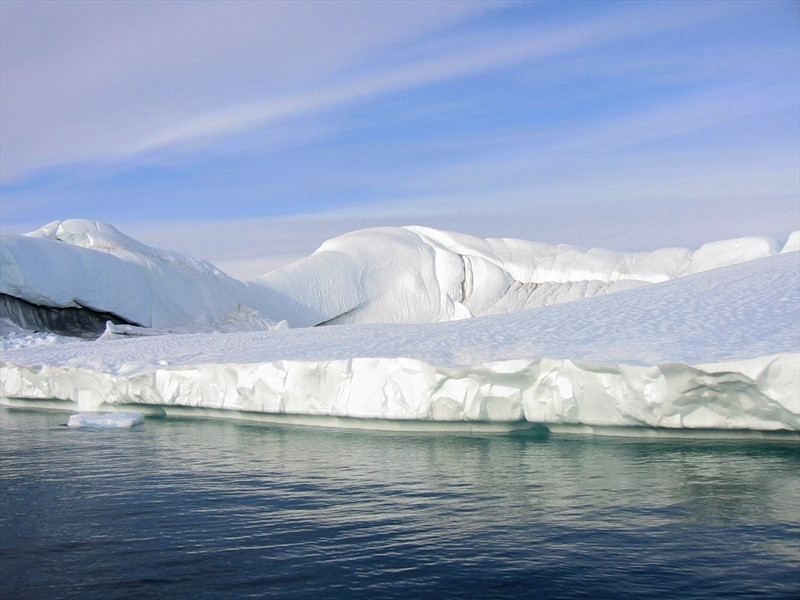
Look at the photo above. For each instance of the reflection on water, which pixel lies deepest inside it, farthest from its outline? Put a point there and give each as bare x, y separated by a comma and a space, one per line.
202, 509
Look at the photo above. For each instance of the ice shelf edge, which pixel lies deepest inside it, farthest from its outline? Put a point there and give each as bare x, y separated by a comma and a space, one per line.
760, 394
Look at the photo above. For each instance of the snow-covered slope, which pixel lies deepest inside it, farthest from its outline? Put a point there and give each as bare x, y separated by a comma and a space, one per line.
87, 264
382, 275
423, 275
718, 349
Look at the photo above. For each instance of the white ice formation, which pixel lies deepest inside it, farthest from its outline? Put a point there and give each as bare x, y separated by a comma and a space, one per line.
423, 275
381, 275
109, 420
712, 344
87, 264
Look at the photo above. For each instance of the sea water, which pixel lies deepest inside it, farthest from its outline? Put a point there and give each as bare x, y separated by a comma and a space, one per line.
180, 508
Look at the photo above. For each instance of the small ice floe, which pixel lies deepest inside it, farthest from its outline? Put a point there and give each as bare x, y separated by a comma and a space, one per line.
106, 420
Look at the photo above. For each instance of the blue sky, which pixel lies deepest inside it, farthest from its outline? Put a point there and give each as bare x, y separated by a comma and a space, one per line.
177, 111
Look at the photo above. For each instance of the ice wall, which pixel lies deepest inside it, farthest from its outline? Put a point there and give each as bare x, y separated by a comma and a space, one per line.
76, 322
756, 394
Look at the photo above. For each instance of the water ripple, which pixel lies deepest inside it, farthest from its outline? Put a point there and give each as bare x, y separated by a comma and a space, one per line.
209, 510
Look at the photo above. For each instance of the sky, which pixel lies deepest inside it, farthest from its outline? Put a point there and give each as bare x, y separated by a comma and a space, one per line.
628, 124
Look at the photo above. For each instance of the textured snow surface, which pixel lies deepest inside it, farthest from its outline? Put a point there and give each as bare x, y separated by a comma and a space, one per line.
111, 420
381, 275
719, 349
88, 264
14, 336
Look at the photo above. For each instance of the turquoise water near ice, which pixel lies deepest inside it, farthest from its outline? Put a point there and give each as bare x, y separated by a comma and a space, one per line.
197, 509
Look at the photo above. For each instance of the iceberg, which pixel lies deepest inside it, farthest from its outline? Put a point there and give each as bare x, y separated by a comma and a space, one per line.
666, 342
100, 274
72, 277
113, 420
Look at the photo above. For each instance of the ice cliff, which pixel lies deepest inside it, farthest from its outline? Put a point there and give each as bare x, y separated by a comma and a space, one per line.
80, 264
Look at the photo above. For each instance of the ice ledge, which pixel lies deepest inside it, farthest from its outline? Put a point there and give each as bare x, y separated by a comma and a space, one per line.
759, 394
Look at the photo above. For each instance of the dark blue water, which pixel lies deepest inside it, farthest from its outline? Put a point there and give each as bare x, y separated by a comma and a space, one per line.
209, 509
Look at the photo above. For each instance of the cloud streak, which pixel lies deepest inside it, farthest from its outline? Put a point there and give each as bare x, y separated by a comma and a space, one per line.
117, 68
237, 110
486, 56
90, 80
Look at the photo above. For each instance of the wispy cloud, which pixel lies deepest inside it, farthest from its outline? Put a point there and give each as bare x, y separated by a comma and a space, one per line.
91, 80
104, 124
220, 109
485, 55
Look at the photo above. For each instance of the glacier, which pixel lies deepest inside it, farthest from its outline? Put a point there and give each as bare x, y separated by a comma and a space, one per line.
659, 343
380, 275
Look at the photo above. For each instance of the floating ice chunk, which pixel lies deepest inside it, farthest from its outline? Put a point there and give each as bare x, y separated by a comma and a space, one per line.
106, 420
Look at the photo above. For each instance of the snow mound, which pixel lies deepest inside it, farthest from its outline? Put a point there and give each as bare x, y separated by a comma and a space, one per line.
424, 275
718, 350
90, 265
112, 420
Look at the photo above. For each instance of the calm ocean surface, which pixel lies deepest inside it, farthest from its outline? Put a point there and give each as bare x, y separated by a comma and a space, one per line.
211, 509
